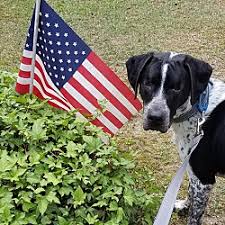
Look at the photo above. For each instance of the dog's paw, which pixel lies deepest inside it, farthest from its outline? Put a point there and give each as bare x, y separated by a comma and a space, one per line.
181, 207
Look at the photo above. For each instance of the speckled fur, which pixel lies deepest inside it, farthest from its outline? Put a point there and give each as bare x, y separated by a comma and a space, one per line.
184, 133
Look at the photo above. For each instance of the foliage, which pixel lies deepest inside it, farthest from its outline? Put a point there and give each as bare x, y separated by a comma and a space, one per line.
55, 169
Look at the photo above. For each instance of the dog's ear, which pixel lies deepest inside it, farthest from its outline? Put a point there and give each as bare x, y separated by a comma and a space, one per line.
200, 73
135, 66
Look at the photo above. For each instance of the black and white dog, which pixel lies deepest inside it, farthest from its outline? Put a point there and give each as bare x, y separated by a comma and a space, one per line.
170, 86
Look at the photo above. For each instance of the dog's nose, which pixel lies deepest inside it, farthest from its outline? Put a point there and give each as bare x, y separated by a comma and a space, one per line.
155, 117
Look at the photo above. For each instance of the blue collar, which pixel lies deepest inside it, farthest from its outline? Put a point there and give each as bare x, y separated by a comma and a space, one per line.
200, 107
203, 102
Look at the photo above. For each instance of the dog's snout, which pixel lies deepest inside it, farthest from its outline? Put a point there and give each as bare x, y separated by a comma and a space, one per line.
155, 117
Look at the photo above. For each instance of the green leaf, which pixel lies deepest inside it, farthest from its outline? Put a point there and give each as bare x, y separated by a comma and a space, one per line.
51, 197
79, 196
51, 178
91, 219
42, 205
37, 132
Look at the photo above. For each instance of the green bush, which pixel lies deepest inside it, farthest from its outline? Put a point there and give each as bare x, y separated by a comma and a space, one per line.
55, 169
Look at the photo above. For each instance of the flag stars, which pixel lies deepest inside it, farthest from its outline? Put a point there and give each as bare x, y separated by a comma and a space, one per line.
63, 77
49, 34
28, 35
76, 61
58, 43
46, 49
52, 51
48, 24
69, 61
68, 52
66, 35
41, 38
39, 30
49, 66
54, 67
57, 83
83, 53
47, 57
70, 69
47, 15
60, 52
40, 13
60, 60
42, 46
56, 25
62, 69
75, 52
42, 23
53, 59
38, 44
56, 75
45, 40
39, 52
74, 43
27, 45
57, 34
43, 32
67, 43
50, 42
50, 73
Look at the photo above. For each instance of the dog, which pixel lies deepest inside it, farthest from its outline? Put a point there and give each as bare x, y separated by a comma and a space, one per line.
170, 85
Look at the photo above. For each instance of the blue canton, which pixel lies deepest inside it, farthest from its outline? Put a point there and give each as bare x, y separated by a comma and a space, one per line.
62, 51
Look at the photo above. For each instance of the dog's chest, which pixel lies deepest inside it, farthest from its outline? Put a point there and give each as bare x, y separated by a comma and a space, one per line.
184, 134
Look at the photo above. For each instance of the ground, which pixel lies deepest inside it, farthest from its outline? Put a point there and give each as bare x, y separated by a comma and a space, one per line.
117, 29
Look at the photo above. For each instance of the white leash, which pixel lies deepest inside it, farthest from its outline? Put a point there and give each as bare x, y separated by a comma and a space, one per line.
167, 205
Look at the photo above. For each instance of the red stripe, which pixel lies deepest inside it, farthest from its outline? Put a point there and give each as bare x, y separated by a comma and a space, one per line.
24, 74
83, 110
22, 88
111, 98
39, 95
87, 95
114, 79
26, 61
36, 77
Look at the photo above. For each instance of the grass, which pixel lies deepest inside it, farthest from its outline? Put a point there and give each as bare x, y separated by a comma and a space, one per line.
117, 29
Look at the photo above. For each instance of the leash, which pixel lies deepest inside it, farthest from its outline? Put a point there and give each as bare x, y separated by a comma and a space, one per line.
167, 205
165, 211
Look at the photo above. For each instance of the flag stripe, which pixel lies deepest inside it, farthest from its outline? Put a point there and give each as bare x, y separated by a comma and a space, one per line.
24, 81
44, 96
24, 74
26, 68
26, 61
87, 95
105, 92
83, 110
101, 78
86, 84
113, 78
87, 105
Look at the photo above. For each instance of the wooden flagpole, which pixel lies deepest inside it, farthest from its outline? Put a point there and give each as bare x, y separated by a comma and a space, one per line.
35, 36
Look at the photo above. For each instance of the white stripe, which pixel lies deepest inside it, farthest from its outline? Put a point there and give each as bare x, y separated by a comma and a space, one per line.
38, 86
27, 54
23, 81
50, 91
25, 68
164, 72
110, 87
98, 95
86, 104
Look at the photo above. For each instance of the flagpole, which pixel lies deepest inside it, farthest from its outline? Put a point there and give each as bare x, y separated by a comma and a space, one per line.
35, 36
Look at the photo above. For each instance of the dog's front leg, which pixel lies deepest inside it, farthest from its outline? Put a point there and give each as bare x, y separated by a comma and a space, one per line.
199, 196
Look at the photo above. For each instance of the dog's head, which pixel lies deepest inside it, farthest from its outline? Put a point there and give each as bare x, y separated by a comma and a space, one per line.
166, 82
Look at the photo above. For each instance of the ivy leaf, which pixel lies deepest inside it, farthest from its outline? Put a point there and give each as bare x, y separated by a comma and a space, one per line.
42, 205
37, 132
79, 196
51, 178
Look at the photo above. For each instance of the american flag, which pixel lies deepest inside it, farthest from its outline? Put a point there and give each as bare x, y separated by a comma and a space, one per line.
71, 76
